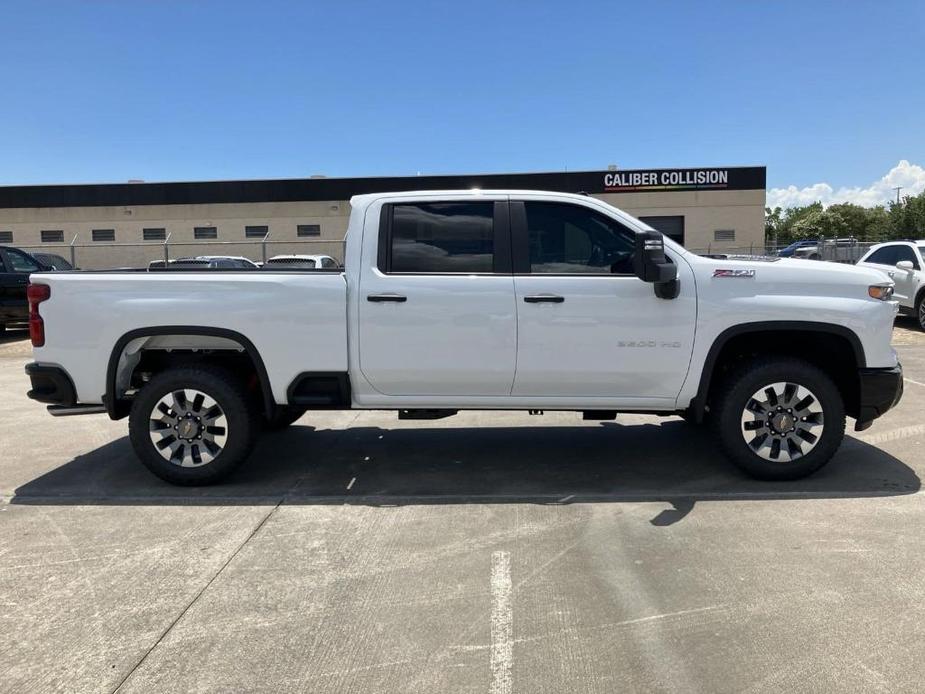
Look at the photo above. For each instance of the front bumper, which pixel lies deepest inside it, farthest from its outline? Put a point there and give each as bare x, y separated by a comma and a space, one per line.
880, 390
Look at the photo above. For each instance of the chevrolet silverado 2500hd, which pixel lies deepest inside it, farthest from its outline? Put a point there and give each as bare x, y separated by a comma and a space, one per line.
455, 300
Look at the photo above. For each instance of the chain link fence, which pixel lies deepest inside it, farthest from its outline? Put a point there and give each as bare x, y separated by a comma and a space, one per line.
834, 250
108, 256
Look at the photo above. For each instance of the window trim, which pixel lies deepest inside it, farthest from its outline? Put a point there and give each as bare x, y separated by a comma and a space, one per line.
501, 251
520, 240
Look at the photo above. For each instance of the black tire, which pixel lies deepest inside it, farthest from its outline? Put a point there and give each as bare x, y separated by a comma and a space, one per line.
283, 416
734, 395
920, 310
240, 430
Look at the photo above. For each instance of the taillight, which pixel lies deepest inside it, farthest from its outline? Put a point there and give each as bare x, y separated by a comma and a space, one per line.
37, 293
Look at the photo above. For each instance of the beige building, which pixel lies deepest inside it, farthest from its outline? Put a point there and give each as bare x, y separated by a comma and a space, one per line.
132, 224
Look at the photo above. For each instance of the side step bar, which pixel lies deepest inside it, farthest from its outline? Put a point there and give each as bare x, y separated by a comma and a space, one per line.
69, 410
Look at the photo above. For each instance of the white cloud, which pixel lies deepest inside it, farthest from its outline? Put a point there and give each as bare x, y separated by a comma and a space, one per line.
910, 176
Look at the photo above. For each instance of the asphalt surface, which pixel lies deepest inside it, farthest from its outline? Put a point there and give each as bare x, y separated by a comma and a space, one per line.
489, 552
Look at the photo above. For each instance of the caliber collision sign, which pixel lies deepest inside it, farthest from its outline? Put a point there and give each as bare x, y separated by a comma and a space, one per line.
683, 179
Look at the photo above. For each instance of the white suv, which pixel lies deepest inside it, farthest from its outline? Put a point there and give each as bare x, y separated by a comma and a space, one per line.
902, 262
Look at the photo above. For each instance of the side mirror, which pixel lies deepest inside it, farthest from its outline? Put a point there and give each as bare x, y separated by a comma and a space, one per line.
905, 265
651, 265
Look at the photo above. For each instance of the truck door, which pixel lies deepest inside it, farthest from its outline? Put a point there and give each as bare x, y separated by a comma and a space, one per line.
436, 302
15, 267
587, 326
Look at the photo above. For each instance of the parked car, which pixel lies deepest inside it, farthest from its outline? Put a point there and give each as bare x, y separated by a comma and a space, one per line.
324, 262
903, 263
788, 251
54, 261
207, 262
445, 293
15, 267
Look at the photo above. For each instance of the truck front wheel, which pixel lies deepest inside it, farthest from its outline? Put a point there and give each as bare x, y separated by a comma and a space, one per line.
192, 425
779, 418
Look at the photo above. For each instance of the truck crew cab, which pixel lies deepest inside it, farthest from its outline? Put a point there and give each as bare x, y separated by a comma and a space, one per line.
454, 300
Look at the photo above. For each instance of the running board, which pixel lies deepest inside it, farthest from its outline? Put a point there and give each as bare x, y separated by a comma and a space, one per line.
70, 410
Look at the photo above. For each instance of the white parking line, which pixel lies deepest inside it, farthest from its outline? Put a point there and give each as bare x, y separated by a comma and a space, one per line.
909, 380
502, 619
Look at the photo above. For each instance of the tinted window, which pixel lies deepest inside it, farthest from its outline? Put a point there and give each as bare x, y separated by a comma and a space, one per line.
572, 239
154, 234
906, 253
205, 233
20, 262
884, 256
443, 237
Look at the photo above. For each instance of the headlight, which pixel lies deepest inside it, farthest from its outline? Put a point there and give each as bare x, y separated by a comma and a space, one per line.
884, 292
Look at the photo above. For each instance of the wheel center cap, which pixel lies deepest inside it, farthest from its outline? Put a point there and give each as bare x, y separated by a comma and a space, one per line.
782, 422
187, 429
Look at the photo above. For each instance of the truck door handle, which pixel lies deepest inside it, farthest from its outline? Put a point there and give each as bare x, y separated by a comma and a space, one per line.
544, 299
397, 298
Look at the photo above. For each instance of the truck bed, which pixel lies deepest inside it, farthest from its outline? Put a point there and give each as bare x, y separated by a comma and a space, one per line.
292, 317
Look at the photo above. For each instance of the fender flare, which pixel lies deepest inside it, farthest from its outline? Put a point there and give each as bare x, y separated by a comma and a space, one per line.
698, 404
117, 409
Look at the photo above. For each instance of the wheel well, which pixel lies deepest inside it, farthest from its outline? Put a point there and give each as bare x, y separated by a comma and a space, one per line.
139, 355
832, 352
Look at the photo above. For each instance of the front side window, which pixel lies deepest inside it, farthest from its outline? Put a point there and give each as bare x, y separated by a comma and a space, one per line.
884, 256
906, 253
570, 239
442, 237
20, 262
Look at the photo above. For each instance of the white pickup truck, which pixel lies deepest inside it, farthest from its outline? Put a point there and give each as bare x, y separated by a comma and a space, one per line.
455, 300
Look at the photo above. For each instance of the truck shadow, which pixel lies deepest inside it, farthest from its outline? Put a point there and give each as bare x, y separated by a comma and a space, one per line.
672, 462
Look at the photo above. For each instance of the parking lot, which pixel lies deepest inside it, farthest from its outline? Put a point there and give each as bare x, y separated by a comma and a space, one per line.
489, 552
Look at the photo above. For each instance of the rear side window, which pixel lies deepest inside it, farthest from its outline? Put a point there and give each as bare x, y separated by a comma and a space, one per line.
884, 256
445, 237
571, 239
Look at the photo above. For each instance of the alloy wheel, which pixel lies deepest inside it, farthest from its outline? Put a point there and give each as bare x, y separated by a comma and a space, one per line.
782, 422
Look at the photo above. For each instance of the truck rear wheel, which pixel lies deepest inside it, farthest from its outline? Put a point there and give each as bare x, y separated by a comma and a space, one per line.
779, 418
192, 425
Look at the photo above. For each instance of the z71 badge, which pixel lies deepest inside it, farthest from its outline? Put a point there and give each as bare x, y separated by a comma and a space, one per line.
733, 273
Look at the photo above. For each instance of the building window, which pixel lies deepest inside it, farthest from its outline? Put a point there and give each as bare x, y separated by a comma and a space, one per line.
55, 236
154, 234
205, 233
6, 237
724, 235
309, 230
255, 232
104, 234
670, 226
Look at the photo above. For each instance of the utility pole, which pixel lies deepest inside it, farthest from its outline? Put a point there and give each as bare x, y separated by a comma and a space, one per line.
897, 189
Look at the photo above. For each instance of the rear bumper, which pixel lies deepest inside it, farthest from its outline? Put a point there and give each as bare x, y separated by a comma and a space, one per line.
880, 390
51, 385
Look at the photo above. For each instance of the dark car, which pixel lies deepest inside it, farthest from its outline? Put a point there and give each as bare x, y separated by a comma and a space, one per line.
792, 248
54, 261
15, 268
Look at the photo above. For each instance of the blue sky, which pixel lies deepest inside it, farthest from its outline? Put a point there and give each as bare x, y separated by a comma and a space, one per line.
107, 91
